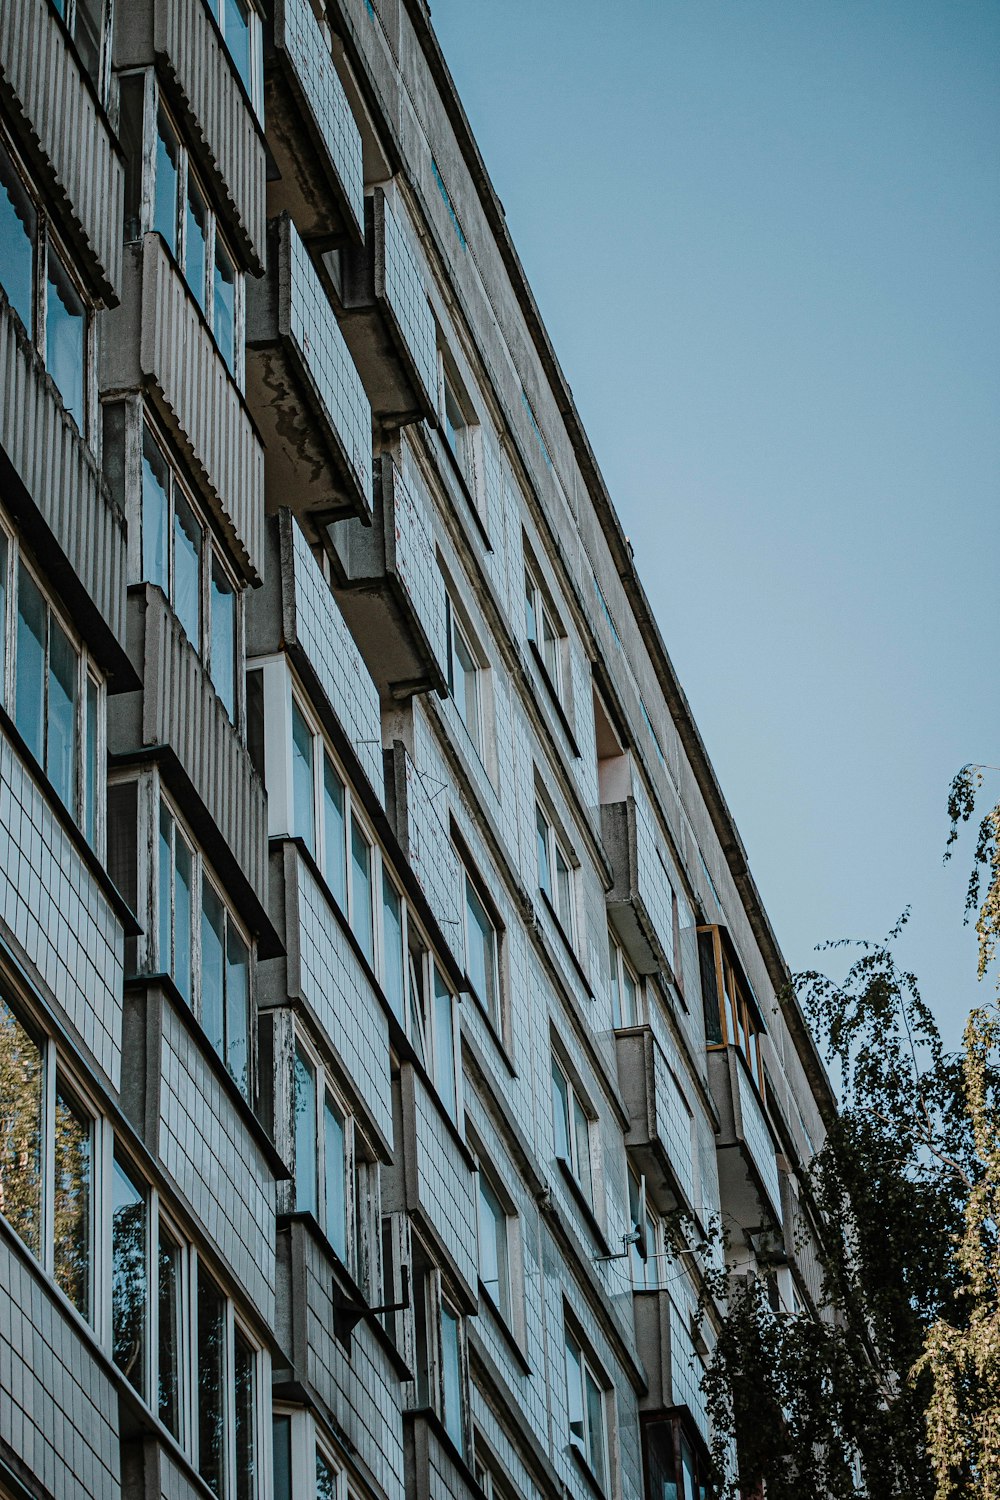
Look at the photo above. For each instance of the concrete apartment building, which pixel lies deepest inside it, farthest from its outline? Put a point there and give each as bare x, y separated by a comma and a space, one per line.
386, 1006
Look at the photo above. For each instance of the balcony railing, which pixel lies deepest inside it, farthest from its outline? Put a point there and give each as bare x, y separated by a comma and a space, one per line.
60, 106
749, 1180
397, 598
388, 320
311, 131
640, 901
158, 341
304, 389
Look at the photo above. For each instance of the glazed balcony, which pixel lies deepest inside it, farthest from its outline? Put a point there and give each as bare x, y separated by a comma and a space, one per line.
311, 132
659, 1133
82, 160
395, 599
304, 389
158, 342
387, 319
72, 521
749, 1180
179, 37
640, 902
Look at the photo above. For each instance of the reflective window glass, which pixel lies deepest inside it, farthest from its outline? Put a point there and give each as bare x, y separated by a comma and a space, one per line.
183, 917
29, 695
20, 1130
451, 1361
392, 936
245, 1444
303, 820
305, 1135
91, 790
73, 1201
65, 338
481, 955
238, 1008
60, 729
224, 305
18, 237
361, 890
334, 1175
224, 637
213, 930
334, 833
196, 246
155, 513
165, 187
169, 1350
212, 1393
187, 569
444, 1044
128, 1276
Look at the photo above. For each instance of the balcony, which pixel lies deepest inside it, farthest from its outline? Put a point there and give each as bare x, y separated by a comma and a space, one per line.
659, 1133
60, 111
158, 341
304, 389
324, 972
178, 712
438, 1181
387, 319
363, 1386
749, 1180
395, 602
436, 1470
425, 841
57, 914
59, 1415
180, 38
311, 131
640, 901
73, 522
651, 1311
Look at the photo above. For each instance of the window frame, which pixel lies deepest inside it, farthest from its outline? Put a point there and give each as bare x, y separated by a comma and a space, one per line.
234, 1326
582, 1444
254, 89
644, 1255
326, 1089
577, 1108
462, 437
458, 636
154, 104
503, 1299
68, 17
556, 850
495, 1012
621, 969
734, 1003
47, 240
539, 613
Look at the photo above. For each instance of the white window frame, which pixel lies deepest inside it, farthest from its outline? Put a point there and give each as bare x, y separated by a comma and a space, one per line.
582, 1443
620, 970
470, 882
46, 236
460, 641
233, 1322
577, 1110
563, 906
153, 104
546, 630
326, 1087
87, 674
307, 1443
504, 1298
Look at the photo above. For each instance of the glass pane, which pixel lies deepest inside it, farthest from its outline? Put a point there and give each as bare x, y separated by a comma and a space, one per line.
224, 637
155, 513
123, 853
244, 1363
530, 620
166, 868
91, 788
334, 834
60, 747
165, 189
281, 1442
211, 1383
65, 329
326, 1479
550, 649
595, 1427
334, 1177
493, 1246
87, 29
128, 1277
453, 419
542, 850
481, 958
169, 1353
213, 937
361, 890
581, 1140
574, 1389
236, 27
303, 822
255, 722
444, 1044
652, 1251
187, 569
616, 998
305, 1135
183, 918
635, 1222
29, 688
564, 892
630, 999
560, 1112
18, 236
224, 305
4, 552
451, 1361
196, 247
72, 1201
415, 986
392, 933
467, 686
238, 1009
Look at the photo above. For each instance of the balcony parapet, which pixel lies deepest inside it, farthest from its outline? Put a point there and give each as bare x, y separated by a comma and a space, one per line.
640, 899
749, 1180
659, 1133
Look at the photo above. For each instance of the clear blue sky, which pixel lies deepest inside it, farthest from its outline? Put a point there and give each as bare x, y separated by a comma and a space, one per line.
765, 238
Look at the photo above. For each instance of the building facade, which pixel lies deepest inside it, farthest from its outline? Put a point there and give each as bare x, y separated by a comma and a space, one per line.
387, 1010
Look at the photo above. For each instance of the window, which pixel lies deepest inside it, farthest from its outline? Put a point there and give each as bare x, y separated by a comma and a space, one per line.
646, 1250
456, 425
47, 1169
164, 194
226, 1427
178, 554
452, 1414
626, 988
494, 1249
542, 632
324, 1150
555, 873
585, 1394
572, 1130
430, 1020
41, 290
85, 23
732, 1017
57, 701
303, 1469
240, 28
207, 956
482, 949
464, 675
